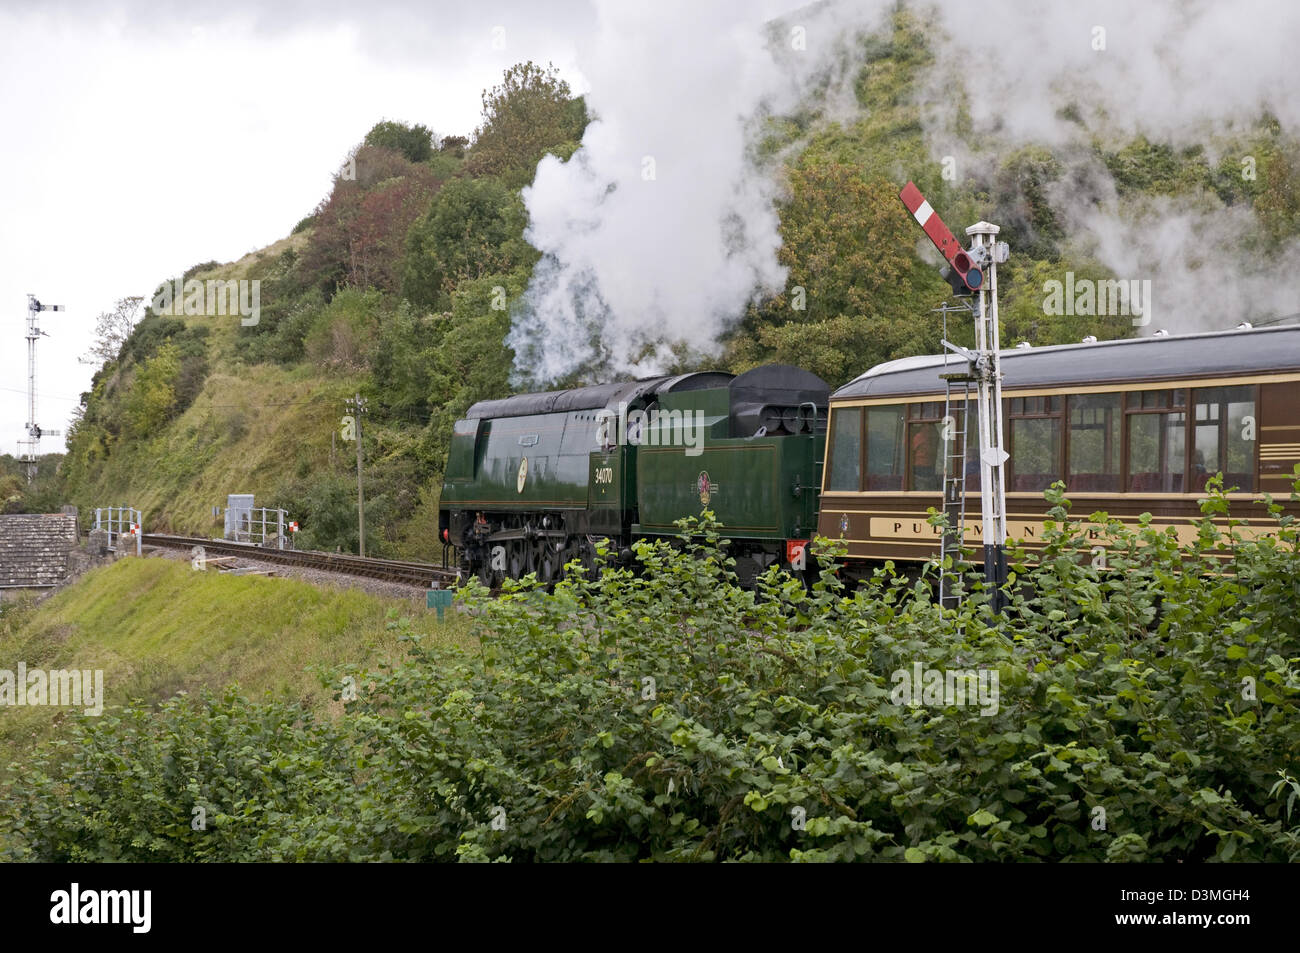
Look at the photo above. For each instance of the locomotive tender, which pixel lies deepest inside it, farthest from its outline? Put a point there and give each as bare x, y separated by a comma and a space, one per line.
1132, 426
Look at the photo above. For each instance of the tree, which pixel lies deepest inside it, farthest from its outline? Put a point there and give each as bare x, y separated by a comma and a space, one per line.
1278, 205
850, 300
530, 114
470, 360
152, 398
112, 328
414, 142
360, 229
473, 228
377, 239
454, 146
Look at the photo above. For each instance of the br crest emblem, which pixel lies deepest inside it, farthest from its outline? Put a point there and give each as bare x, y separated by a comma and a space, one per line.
844, 523
705, 487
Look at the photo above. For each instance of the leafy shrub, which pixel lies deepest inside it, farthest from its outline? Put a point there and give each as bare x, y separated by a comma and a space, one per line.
151, 400
201, 267
280, 334
236, 421
342, 334
194, 782
531, 113
413, 142
360, 229
326, 506
668, 714
474, 227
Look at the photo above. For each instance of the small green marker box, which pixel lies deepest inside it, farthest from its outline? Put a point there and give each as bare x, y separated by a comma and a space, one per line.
439, 599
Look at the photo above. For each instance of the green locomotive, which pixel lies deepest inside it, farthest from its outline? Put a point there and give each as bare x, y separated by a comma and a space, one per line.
534, 481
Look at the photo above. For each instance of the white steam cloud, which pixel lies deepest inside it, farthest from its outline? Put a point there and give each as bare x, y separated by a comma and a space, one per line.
1171, 69
662, 227
1071, 76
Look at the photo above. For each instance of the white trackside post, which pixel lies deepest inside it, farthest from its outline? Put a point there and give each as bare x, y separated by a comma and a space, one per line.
993, 494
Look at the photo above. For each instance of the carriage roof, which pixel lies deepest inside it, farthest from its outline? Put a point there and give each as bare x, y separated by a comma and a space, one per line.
1128, 361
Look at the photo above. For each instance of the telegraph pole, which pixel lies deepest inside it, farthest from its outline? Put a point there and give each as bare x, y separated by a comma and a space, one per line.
34, 432
358, 407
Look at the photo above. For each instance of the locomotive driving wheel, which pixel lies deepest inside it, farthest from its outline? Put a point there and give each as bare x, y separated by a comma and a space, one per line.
533, 556
572, 550
549, 560
517, 559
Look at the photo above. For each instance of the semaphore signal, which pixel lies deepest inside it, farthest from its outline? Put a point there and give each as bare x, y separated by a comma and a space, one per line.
966, 276
34, 431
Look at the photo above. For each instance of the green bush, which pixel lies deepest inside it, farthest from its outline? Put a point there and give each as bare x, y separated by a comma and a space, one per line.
473, 228
325, 504
191, 783
1144, 711
414, 142
151, 400
342, 334
532, 112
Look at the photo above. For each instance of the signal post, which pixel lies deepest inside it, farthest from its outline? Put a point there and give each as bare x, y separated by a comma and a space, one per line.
966, 275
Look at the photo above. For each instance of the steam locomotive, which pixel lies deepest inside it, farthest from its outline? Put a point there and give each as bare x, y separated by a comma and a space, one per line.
533, 481
1132, 427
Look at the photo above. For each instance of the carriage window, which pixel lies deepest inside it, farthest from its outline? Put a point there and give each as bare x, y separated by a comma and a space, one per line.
1035, 453
924, 438
1158, 399
1220, 441
1035, 425
965, 420
846, 449
1157, 441
885, 447
1094, 442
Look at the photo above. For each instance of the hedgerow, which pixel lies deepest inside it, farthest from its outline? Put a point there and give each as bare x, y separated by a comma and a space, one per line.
1146, 709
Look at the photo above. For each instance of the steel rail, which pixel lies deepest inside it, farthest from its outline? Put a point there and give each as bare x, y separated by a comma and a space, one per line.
390, 570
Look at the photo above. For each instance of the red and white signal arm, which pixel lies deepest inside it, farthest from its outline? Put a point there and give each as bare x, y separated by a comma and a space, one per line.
944, 240
293, 526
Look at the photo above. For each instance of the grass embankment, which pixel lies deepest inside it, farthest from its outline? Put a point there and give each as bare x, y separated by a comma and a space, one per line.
156, 627
246, 432
250, 429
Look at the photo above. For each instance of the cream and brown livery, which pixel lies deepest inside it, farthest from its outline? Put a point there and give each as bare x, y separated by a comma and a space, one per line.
1134, 426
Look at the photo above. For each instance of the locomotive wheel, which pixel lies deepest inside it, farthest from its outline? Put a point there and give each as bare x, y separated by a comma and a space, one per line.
533, 557
572, 551
589, 560
516, 560
548, 561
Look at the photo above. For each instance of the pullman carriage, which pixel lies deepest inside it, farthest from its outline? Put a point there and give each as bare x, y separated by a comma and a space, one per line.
1131, 427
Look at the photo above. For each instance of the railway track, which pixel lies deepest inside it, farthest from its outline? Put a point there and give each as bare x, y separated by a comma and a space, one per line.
390, 570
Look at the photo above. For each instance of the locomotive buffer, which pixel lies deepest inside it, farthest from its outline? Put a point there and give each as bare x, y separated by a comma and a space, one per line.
966, 275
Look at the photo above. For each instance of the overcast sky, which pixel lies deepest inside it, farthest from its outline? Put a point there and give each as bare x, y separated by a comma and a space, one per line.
142, 138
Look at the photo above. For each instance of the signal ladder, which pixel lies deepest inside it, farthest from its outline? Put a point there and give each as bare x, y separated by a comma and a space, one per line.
956, 412
960, 389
